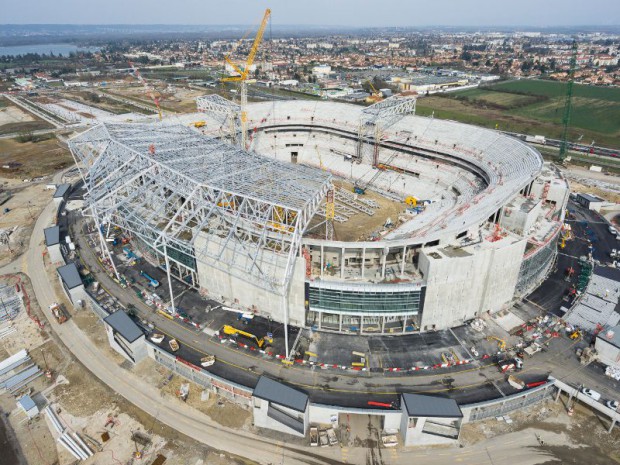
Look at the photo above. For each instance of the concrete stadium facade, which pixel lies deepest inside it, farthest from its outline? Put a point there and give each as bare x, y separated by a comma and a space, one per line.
485, 230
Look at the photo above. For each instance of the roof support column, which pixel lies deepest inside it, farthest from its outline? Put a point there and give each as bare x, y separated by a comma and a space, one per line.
172, 307
285, 304
402, 262
363, 261
342, 263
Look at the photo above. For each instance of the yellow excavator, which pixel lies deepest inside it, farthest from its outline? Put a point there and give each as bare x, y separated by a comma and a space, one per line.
411, 201
501, 344
261, 343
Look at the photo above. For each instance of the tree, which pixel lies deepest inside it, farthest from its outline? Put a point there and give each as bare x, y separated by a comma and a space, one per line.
466, 56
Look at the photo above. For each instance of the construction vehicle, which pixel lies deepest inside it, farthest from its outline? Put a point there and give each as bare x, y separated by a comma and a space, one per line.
152, 281
512, 364
243, 73
261, 343
174, 345
575, 335
501, 344
532, 349
207, 361
411, 201
58, 313
375, 96
199, 124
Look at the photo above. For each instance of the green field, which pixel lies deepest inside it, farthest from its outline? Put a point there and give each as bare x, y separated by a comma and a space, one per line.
534, 107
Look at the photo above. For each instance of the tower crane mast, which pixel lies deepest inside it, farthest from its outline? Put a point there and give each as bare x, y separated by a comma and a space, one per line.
568, 101
243, 72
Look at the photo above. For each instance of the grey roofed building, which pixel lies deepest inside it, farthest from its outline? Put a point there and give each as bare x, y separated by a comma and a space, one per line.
70, 276
278, 393
590, 197
120, 322
26, 403
418, 405
52, 235
62, 190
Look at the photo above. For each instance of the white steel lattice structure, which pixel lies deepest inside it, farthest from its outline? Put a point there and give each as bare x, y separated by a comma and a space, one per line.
192, 198
227, 113
375, 119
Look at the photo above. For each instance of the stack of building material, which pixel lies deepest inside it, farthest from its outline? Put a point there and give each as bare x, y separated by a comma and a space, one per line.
10, 304
74, 444
17, 371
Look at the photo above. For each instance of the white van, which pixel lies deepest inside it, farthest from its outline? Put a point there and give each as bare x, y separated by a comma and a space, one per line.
591, 394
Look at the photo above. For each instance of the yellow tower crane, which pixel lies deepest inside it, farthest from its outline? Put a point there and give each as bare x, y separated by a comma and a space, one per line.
243, 72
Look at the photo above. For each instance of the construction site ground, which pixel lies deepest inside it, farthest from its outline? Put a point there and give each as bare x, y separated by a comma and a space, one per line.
86, 406
25, 204
34, 159
100, 100
174, 99
577, 439
360, 226
15, 119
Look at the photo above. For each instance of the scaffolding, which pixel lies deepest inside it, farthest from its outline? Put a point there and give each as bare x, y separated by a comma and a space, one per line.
195, 199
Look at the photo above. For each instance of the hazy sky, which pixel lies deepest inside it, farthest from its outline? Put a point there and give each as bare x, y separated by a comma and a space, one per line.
315, 12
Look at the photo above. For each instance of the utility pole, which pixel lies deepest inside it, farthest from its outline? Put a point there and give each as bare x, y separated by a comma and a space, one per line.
567, 102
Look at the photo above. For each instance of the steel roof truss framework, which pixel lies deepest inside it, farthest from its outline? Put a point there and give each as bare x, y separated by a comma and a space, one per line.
177, 190
375, 119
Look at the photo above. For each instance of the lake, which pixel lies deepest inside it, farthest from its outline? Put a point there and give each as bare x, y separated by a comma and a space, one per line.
57, 49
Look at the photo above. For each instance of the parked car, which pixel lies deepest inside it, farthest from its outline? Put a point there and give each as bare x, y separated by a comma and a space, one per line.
612, 404
591, 394
612, 230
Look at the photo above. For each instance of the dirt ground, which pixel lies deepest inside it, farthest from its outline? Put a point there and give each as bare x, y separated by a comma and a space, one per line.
176, 99
33, 158
25, 205
86, 405
361, 226
14, 119
579, 439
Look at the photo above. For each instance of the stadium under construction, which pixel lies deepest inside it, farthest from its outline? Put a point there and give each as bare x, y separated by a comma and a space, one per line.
344, 218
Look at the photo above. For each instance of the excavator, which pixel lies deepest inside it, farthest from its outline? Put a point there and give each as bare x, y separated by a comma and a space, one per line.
501, 344
261, 343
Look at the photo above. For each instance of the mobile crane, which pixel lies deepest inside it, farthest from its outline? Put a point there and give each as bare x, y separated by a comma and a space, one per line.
261, 343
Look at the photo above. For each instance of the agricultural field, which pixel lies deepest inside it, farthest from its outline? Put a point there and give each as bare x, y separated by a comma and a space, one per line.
534, 107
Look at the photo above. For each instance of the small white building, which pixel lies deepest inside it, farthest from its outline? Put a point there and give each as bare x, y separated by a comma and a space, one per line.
429, 420
607, 345
72, 283
52, 242
125, 336
27, 405
279, 407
